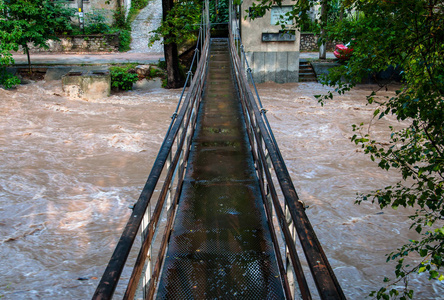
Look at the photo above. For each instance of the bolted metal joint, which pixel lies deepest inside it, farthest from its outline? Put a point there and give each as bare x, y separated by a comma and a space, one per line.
304, 206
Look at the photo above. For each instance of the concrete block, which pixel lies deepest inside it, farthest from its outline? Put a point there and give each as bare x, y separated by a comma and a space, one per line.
96, 85
270, 66
259, 67
56, 73
323, 68
293, 67
87, 85
72, 85
281, 67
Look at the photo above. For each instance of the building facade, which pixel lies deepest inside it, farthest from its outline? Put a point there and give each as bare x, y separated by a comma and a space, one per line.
104, 7
272, 53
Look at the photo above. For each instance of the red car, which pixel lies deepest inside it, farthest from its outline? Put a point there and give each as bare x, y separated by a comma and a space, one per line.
342, 52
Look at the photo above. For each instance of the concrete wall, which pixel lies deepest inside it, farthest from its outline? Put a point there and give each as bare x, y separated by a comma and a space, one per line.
81, 43
127, 5
280, 67
269, 60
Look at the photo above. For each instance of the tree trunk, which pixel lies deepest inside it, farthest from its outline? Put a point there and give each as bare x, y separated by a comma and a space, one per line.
322, 48
29, 58
174, 78
341, 12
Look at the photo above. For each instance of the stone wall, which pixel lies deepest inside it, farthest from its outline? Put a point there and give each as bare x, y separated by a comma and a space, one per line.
81, 43
309, 43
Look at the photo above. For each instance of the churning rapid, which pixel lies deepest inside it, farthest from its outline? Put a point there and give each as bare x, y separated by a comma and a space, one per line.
69, 170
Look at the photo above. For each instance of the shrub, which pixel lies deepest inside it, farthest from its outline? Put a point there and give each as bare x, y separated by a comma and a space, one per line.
95, 22
139, 4
125, 40
8, 80
162, 64
123, 77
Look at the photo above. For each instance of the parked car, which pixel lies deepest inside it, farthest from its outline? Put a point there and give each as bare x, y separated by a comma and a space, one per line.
343, 52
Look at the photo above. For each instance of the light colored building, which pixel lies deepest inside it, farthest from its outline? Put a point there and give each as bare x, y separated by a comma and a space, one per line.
105, 7
273, 54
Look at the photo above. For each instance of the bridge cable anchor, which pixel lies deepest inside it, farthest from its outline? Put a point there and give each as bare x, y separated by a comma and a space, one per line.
304, 206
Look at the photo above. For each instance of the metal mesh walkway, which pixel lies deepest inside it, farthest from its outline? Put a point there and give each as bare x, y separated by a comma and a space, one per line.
220, 246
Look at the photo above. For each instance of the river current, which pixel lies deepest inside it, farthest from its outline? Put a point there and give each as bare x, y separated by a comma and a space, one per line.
69, 170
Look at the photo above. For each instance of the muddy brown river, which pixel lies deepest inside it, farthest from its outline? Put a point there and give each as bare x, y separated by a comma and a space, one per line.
69, 170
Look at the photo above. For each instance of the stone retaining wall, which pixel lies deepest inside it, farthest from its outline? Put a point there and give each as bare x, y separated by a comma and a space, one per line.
309, 43
81, 43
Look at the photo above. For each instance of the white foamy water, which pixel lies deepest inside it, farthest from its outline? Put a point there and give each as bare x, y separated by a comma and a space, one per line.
69, 169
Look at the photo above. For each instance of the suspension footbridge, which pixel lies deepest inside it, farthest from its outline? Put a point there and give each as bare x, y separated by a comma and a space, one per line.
219, 215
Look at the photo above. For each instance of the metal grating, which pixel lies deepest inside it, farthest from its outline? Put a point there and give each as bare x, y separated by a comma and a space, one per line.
220, 246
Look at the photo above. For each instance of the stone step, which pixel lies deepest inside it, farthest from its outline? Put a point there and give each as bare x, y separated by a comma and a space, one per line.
306, 72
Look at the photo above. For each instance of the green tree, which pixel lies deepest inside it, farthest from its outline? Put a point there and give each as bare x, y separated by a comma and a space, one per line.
6, 79
219, 11
406, 36
178, 26
35, 21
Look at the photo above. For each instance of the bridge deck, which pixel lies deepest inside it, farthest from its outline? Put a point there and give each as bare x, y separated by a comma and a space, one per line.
220, 246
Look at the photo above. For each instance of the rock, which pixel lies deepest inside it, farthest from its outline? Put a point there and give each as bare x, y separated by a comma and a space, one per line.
143, 70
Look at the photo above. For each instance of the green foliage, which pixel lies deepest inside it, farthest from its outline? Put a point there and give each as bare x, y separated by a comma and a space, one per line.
123, 77
309, 26
139, 4
28, 21
407, 34
299, 14
125, 40
219, 11
7, 80
95, 22
180, 24
162, 64
36, 20
155, 72
120, 21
